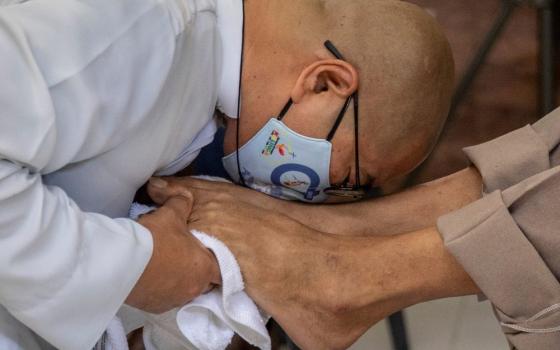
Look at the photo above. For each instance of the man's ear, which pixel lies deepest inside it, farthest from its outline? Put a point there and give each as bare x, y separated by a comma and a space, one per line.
326, 76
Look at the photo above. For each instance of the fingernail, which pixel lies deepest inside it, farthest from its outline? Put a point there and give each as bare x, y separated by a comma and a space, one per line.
158, 182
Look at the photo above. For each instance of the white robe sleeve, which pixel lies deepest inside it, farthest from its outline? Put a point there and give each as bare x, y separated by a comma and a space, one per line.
11, 2
63, 272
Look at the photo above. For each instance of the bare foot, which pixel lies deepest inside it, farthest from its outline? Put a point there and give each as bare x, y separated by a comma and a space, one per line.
310, 282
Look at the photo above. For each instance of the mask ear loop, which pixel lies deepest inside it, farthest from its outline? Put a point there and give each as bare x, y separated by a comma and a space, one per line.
338, 120
285, 110
239, 98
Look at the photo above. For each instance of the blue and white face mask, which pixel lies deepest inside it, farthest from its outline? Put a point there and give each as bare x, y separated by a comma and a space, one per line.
282, 163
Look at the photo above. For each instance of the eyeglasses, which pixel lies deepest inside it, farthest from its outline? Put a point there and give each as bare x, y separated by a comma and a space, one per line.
346, 189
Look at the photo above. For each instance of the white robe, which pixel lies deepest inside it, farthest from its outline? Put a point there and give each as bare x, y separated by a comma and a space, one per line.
95, 97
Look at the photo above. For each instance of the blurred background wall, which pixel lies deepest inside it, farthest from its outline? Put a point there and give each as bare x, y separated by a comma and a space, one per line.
505, 94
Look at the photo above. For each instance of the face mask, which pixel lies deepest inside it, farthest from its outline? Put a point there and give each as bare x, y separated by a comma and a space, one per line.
282, 163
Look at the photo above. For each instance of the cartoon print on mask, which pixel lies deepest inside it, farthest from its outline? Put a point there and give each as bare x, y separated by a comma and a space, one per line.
273, 143
285, 150
307, 189
287, 174
294, 182
282, 163
271, 190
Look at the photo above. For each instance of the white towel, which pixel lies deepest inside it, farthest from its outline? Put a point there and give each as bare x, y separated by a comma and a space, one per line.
210, 321
114, 337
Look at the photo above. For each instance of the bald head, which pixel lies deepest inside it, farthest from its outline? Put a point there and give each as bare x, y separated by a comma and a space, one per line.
406, 75
404, 68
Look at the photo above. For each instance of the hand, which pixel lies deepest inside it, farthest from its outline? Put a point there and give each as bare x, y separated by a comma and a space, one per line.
180, 268
319, 217
205, 191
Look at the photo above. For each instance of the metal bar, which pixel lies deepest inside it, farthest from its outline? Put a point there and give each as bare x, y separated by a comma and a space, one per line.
398, 331
547, 55
472, 71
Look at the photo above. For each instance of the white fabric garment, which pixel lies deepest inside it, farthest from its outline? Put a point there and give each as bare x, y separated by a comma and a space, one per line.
96, 96
210, 321
11, 2
230, 24
114, 337
15, 336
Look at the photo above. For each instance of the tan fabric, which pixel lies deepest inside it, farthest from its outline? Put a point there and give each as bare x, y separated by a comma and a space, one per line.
509, 241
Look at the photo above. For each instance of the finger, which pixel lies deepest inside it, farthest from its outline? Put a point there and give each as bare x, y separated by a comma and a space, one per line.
188, 181
181, 206
161, 189
203, 184
215, 273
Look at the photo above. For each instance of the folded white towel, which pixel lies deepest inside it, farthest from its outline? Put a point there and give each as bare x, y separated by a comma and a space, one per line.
114, 337
210, 321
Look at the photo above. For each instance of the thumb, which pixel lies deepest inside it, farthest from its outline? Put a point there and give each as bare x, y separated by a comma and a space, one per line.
160, 190
181, 205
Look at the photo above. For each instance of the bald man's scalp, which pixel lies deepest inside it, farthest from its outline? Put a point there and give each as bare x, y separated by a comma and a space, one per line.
406, 69
404, 61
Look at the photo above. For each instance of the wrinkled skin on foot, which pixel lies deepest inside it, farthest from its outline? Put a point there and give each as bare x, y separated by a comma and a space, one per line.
304, 278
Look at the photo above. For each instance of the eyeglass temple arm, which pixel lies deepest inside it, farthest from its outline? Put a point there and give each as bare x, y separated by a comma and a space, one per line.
330, 46
332, 49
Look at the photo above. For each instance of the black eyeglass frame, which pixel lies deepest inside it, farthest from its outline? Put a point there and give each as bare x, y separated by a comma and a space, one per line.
356, 190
